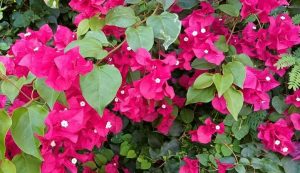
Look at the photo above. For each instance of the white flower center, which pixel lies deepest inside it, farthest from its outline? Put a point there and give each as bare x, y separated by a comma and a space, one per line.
65, 109
177, 62
115, 164
128, 48
64, 123
298, 99
157, 80
254, 27
277, 142
82, 103
27, 34
74, 161
220, 19
52, 144
194, 33
108, 125
116, 99
109, 59
95, 131
122, 92
185, 39
203, 30
285, 149
163, 106
36, 49
218, 127
206, 51
268, 78
262, 102
282, 18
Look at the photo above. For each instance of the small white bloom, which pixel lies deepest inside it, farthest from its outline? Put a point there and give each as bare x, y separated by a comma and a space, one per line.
194, 33
277, 142
27, 34
128, 48
82, 103
298, 99
64, 123
52, 144
177, 62
95, 131
285, 149
254, 27
268, 78
74, 161
122, 92
36, 49
203, 30
185, 39
108, 125
163, 106
157, 80
206, 51
282, 18
116, 99
218, 127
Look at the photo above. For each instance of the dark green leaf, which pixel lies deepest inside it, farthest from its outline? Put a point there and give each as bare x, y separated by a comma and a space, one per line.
203, 95
202, 64
166, 3
279, 104
240, 129
238, 71
187, 4
221, 44
186, 115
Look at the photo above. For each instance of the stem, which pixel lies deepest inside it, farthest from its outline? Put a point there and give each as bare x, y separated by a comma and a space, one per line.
237, 161
232, 30
260, 26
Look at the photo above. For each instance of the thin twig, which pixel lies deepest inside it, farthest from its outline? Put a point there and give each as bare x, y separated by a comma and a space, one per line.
232, 30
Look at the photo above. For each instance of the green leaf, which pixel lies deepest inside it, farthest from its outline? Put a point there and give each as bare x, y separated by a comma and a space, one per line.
45, 92
240, 129
221, 44
98, 35
52, 3
205, 80
229, 9
222, 82
27, 164
166, 3
96, 23
296, 19
244, 59
7, 166
100, 86
187, 4
203, 159
89, 47
26, 123
132, 1
11, 87
278, 104
240, 169
145, 164
121, 16
289, 165
202, 64
2, 69
131, 154
238, 71
124, 148
5, 123
83, 27
202, 95
234, 101
166, 26
140, 37
226, 151
187, 115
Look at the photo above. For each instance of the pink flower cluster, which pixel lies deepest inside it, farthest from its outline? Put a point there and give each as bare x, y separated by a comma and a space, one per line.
77, 127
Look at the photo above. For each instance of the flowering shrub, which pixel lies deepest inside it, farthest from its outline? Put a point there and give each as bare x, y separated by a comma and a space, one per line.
154, 86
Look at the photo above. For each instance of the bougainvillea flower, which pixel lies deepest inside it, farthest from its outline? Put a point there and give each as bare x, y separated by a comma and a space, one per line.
294, 99
295, 118
277, 136
223, 167
204, 133
219, 104
190, 166
2, 101
63, 37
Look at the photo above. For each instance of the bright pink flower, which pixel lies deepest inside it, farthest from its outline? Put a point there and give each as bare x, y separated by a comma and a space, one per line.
294, 99
44, 34
11, 147
277, 136
64, 124
223, 167
67, 68
204, 133
2, 101
63, 37
295, 118
112, 167
190, 166
220, 105
260, 100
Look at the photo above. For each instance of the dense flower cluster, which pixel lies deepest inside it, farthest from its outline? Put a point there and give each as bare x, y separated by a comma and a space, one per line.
155, 90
